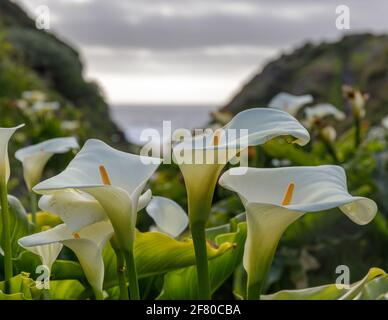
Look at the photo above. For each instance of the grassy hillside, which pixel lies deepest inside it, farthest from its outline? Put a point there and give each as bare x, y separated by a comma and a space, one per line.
358, 60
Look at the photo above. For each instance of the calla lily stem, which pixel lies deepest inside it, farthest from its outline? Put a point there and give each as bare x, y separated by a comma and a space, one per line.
7, 248
132, 275
98, 295
199, 240
121, 274
34, 206
357, 124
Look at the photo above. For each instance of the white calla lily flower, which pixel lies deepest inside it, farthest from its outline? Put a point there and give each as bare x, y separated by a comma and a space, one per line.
114, 178
202, 158
79, 209
47, 253
321, 111
260, 125
35, 157
5, 135
87, 244
169, 216
275, 198
290, 103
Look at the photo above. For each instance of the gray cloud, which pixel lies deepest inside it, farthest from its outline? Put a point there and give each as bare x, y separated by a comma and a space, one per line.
208, 37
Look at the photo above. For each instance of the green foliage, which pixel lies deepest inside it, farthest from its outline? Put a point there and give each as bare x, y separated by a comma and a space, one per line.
157, 253
182, 284
373, 286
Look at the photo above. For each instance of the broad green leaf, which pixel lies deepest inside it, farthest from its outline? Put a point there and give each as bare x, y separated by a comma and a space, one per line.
212, 233
19, 287
182, 283
281, 149
376, 289
330, 291
158, 253
19, 225
66, 290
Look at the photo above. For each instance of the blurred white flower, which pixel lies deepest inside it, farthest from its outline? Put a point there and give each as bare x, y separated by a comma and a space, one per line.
289, 103
34, 95
357, 100
329, 133
43, 107
35, 157
320, 111
384, 122
70, 125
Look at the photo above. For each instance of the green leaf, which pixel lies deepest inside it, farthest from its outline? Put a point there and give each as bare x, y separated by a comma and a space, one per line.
332, 292
66, 290
182, 284
19, 225
281, 149
19, 287
158, 253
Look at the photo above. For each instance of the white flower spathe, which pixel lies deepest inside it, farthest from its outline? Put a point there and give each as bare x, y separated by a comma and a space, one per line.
290, 103
169, 216
87, 244
114, 178
275, 198
5, 136
34, 158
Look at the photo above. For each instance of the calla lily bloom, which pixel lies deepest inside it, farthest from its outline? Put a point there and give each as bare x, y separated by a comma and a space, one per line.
357, 100
321, 111
255, 126
169, 216
289, 103
79, 209
35, 157
275, 198
87, 244
114, 178
329, 133
47, 253
5, 136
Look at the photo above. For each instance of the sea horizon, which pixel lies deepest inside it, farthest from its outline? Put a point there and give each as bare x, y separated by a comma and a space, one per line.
134, 118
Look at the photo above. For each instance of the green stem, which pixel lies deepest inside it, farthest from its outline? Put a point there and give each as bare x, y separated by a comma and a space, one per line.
121, 275
357, 124
199, 241
98, 295
132, 275
7, 248
46, 294
34, 206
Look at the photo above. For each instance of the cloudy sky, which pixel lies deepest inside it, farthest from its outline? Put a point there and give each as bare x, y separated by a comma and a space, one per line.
193, 51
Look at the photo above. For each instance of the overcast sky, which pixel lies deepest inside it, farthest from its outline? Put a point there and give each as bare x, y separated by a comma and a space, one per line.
193, 51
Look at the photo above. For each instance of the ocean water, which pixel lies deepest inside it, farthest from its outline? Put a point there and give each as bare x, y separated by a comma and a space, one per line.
134, 119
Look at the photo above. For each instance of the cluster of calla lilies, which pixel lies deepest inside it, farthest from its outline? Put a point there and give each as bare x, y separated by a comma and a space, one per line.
100, 192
